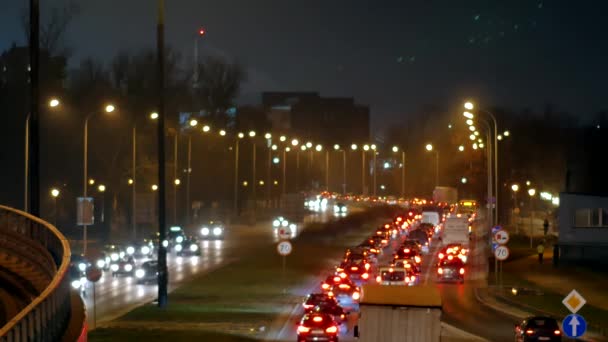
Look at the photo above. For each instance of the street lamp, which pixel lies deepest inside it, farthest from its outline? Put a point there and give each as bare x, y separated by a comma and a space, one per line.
154, 115
468, 115
532, 193
395, 150
469, 105
177, 181
55, 193
154, 187
506, 133
294, 142
109, 108
282, 138
463, 180
461, 148
206, 128
429, 148
102, 189
470, 122
54, 103
222, 133
515, 187
267, 136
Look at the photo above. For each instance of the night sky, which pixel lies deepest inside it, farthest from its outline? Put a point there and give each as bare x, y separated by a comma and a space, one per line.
397, 56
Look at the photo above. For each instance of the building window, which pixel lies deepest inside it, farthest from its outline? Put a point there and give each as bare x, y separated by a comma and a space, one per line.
595, 217
591, 218
581, 218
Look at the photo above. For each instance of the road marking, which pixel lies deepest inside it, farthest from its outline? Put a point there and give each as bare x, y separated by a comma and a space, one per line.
433, 252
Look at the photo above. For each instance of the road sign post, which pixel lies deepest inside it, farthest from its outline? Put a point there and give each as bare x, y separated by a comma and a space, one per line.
500, 239
284, 248
93, 275
574, 326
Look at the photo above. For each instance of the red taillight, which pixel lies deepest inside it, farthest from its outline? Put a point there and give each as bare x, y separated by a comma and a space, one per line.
356, 296
365, 275
557, 332
303, 329
344, 286
441, 256
325, 286
386, 225
450, 257
342, 275
406, 250
399, 219
440, 270
529, 331
337, 279
462, 271
367, 266
378, 279
354, 268
317, 319
332, 330
308, 306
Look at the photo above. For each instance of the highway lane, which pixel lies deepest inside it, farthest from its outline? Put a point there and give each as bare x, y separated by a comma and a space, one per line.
115, 296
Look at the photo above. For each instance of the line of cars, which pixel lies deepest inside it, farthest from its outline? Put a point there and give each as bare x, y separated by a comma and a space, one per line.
138, 259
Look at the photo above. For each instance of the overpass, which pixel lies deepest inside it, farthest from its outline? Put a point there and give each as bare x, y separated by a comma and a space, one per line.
36, 300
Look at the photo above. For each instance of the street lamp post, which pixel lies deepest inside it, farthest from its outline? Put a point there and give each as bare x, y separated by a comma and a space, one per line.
532, 193
363, 168
55, 194
396, 149
374, 169
102, 190
236, 173
108, 109
254, 182
515, 189
429, 147
326, 170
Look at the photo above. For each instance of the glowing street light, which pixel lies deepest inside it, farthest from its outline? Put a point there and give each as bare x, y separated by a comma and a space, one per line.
515, 187
177, 181
469, 105
101, 188
55, 192
476, 133
267, 136
429, 147
294, 142
532, 192
303, 147
460, 148
91, 181
109, 108
472, 137
475, 146
154, 187
395, 149
282, 138
366, 147
193, 123
528, 183
154, 115
274, 147
468, 115
499, 137
469, 122
309, 145
353, 147
54, 103
463, 180
472, 128
251, 134
318, 148
130, 181
336, 147
222, 132
241, 135
206, 128
506, 133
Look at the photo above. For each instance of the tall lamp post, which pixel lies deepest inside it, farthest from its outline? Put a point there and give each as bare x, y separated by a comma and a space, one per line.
102, 190
374, 169
532, 193
55, 193
34, 66
337, 148
515, 189
396, 150
429, 147
108, 109
253, 174
239, 136
53, 103
285, 150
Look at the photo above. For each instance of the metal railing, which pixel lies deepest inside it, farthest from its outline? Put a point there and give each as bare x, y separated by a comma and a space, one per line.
48, 315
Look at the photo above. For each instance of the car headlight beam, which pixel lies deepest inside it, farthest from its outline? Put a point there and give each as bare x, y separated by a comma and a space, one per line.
204, 231
178, 248
140, 273
82, 266
217, 231
101, 263
145, 250
193, 247
130, 250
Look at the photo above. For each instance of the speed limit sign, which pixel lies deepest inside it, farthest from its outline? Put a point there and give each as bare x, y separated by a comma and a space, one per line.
501, 253
284, 248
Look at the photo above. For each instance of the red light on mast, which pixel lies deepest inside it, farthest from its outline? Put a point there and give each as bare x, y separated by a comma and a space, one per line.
201, 32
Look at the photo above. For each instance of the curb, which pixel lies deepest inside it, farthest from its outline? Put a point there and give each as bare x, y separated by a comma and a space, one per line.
454, 332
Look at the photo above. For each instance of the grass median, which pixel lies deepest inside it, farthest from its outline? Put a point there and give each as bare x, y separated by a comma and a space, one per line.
240, 301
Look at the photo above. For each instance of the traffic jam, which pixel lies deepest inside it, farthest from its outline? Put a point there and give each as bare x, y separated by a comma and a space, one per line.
138, 260
392, 255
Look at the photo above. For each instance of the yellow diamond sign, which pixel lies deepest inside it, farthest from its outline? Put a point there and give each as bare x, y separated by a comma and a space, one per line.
574, 301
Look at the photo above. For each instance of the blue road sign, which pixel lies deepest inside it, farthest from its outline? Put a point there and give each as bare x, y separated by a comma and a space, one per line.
494, 246
574, 326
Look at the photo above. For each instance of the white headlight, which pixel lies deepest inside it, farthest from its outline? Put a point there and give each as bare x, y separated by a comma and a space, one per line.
128, 267
285, 223
114, 267
205, 231
165, 243
83, 281
179, 239
76, 284
101, 263
140, 273
292, 227
217, 231
276, 223
82, 266
145, 250
178, 248
121, 254
114, 256
343, 209
336, 208
130, 250
193, 247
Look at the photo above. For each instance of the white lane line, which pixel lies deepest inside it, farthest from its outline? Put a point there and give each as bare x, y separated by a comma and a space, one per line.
433, 252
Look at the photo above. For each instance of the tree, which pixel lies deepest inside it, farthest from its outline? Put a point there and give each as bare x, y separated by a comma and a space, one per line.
53, 30
218, 86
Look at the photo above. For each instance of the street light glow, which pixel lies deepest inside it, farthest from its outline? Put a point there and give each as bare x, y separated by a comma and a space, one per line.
532, 192
475, 146
55, 192
460, 148
469, 105
206, 128
353, 147
366, 147
373, 147
91, 181
53, 103
193, 123
429, 147
515, 187
395, 149
469, 122
101, 188
222, 132
276, 160
481, 145
267, 136
468, 115
472, 137
463, 180
476, 133
252, 134
528, 183
154, 115
308, 144
303, 147
110, 108
274, 147
241, 135
318, 148
472, 128
336, 147
287, 149
499, 137
154, 187
177, 181
130, 181
295, 142
506, 133
283, 138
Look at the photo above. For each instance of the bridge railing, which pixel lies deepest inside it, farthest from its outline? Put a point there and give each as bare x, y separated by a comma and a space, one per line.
48, 315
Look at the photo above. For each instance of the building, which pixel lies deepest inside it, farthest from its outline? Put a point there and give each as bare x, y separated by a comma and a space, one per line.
583, 207
323, 120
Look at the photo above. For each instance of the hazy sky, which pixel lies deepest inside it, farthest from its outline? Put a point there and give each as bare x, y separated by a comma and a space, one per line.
396, 56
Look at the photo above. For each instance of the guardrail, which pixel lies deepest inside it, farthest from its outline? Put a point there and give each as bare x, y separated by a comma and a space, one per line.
48, 315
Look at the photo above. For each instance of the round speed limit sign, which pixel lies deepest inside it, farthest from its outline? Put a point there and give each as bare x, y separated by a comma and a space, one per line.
284, 248
501, 253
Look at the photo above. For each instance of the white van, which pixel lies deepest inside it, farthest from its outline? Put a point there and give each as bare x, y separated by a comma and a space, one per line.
431, 217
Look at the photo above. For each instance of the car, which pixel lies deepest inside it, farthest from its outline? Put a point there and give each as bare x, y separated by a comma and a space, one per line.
407, 264
174, 236
454, 250
451, 270
408, 253
335, 279
422, 236
340, 209
316, 299
125, 267
413, 244
147, 272
103, 261
188, 247
80, 262
213, 230
140, 250
78, 279
115, 252
390, 275
334, 309
538, 328
370, 249
317, 327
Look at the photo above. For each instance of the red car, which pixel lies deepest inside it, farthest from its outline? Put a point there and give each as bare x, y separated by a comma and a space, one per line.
318, 299
333, 280
317, 327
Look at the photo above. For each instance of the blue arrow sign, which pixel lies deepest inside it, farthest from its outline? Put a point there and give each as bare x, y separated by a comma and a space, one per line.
574, 326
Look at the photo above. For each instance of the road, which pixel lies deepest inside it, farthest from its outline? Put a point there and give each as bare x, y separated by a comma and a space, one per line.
115, 296
461, 309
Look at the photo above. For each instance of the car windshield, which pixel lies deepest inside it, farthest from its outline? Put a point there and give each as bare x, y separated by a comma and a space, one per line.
393, 276
542, 323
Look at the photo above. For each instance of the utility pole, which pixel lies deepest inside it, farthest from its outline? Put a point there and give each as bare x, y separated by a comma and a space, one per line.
34, 130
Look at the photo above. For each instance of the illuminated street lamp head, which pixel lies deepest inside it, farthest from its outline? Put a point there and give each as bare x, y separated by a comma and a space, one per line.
515, 187
395, 149
463, 180
154, 187
506, 133
472, 137
101, 188
201, 31
318, 148
109, 108
294, 142
252, 134
468, 115
481, 145
55, 192
91, 181
528, 183
472, 128
287, 149
469, 122
206, 128
479, 140
154, 115
274, 147
53, 103
469, 105
241, 135
222, 132
245, 183
429, 147
177, 181
193, 123
532, 192
373, 146
130, 181
261, 182
267, 136
353, 147
499, 137
475, 146
303, 147
336, 147
366, 147
282, 138
476, 133
460, 148
276, 160
308, 144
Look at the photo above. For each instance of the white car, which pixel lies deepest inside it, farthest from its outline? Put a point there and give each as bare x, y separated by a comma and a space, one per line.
212, 231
